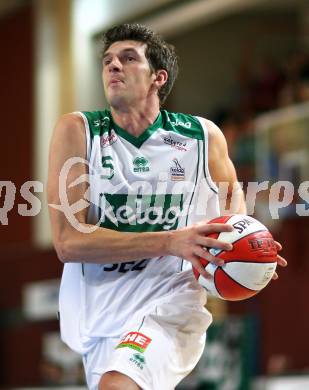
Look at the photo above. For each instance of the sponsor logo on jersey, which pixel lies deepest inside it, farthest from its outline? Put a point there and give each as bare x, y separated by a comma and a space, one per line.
177, 172
140, 164
128, 266
108, 139
181, 123
135, 213
175, 144
101, 122
135, 340
138, 360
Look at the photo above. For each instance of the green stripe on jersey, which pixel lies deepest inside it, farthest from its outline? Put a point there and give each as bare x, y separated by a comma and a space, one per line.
187, 125
99, 122
140, 213
184, 124
138, 141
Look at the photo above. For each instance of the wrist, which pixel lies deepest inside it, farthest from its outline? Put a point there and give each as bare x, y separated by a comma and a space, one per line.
167, 242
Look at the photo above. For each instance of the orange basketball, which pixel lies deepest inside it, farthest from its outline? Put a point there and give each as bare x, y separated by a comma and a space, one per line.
248, 267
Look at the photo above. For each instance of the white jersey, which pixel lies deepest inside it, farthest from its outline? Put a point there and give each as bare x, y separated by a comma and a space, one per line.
155, 182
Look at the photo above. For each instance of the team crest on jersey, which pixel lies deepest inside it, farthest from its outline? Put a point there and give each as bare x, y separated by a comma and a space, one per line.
177, 171
108, 139
140, 164
135, 340
181, 146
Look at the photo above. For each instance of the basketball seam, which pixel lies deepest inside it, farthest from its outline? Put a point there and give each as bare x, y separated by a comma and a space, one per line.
209, 291
249, 289
248, 262
234, 242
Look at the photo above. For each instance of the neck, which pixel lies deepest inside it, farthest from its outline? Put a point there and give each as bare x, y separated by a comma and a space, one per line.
135, 120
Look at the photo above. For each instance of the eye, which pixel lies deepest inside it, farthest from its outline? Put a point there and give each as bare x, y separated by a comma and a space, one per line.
130, 59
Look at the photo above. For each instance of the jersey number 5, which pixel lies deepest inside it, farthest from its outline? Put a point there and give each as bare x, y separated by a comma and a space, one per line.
108, 168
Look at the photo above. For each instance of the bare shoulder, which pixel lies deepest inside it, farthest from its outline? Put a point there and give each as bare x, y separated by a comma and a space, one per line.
69, 133
215, 135
70, 123
68, 140
214, 131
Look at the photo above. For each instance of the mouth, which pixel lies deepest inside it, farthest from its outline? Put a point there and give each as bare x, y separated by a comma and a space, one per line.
115, 81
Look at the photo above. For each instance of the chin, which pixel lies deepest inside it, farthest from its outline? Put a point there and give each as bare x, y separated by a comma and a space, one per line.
116, 100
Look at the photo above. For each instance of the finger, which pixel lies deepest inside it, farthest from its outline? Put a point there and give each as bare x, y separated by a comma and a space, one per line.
213, 243
275, 276
196, 262
281, 261
214, 228
203, 252
278, 245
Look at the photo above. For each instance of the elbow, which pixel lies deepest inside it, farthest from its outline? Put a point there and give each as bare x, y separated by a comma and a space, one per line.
64, 251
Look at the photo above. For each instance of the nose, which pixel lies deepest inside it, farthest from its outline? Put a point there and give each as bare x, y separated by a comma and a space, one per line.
114, 65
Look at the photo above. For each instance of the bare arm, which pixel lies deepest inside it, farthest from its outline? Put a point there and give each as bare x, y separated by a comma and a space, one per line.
101, 245
105, 245
223, 172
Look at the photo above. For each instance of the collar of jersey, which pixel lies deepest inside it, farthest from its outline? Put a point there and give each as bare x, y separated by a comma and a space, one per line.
138, 141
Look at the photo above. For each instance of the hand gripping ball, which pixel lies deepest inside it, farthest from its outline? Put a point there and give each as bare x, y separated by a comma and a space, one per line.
248, 267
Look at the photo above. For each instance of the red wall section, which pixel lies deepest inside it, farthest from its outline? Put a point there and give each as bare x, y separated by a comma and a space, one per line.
16, 109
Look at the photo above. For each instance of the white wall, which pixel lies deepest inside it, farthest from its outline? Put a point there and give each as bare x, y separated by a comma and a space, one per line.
46, 102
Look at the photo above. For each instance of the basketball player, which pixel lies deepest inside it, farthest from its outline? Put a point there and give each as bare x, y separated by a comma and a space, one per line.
128, 300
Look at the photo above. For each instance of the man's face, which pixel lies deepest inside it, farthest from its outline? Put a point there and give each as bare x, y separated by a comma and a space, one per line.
127, 77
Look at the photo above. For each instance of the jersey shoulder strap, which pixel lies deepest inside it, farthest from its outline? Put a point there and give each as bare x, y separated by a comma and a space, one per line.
184, 124
98, 122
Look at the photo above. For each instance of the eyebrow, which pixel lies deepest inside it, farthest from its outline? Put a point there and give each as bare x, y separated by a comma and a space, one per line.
127, 50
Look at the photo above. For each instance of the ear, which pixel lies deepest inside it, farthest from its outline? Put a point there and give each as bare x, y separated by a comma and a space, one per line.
161, 78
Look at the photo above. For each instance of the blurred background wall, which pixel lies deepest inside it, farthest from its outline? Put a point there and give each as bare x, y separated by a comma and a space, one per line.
238, 61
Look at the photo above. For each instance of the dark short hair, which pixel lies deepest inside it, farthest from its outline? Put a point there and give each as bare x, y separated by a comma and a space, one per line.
159, 54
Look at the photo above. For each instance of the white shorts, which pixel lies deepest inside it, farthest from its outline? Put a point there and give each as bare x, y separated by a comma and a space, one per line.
157, 352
